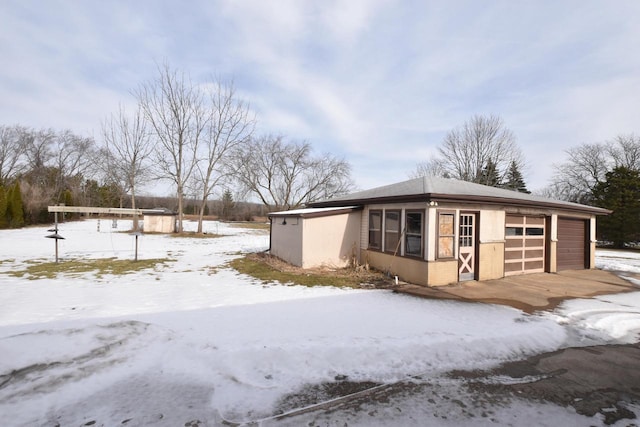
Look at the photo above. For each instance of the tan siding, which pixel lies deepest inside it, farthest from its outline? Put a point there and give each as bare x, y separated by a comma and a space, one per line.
286, 240
443, 272
331, 240
491, 261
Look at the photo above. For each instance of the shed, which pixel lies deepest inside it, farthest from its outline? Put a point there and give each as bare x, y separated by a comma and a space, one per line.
437, 231
159, 220
315, 237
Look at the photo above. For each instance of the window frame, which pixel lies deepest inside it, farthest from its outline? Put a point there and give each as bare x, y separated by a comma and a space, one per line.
373, 230
407, 233
397, 244
451, 236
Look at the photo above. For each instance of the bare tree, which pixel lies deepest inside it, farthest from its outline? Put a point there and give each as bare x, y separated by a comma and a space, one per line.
587, 165
12, 152
469, 150
285, 175
174, 108
229, 125
432, 167
72, 159
38, 151
625, 151
56, 165
126, 152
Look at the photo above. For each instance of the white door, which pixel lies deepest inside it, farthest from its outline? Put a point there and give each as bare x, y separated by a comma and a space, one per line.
467, 247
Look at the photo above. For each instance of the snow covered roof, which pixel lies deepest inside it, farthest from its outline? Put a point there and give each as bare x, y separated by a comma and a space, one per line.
315, 212
445, 189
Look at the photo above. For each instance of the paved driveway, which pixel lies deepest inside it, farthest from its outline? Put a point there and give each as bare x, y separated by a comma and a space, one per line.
529, 292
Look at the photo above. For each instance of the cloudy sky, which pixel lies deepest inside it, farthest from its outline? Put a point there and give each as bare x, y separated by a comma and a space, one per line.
376, 82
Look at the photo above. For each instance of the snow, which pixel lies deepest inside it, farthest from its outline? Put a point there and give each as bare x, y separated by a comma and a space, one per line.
607, 318
193, 339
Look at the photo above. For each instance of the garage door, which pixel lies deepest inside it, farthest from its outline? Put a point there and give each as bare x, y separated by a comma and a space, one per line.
571, 244
524, 244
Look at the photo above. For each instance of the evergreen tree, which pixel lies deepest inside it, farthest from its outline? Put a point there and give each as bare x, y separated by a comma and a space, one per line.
514, 181
489, 175
4, 223
620, 192
227, 204
15, 208
67, 198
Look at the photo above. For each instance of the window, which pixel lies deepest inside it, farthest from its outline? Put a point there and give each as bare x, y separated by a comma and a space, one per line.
514, 231
391, 231
446, 234
375, 230
466, 230
413, 239
535, 231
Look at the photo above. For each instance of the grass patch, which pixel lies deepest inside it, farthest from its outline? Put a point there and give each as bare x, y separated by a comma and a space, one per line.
49, 270
271, 269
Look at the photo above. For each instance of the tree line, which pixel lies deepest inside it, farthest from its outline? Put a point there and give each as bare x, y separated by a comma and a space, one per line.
201, 137
604, 174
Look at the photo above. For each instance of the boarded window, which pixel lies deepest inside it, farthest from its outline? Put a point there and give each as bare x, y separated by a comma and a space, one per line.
375, 230
391, 231
446, 234
413, 243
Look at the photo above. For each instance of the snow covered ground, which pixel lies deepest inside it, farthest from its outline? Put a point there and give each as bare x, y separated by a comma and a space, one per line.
195, 340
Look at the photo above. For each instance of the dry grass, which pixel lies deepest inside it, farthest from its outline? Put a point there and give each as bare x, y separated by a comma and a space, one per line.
49, 270
271, 269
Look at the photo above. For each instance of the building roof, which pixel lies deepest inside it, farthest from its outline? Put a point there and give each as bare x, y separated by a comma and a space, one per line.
315, 212
429, 189
159, 212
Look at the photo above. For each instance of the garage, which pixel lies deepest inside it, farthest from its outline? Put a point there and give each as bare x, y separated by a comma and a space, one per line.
572, 234
524, 250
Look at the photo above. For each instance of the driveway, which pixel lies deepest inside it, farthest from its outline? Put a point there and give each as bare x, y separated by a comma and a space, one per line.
530, 292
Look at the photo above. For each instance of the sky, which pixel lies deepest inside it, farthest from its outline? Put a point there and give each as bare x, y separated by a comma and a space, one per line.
376, 82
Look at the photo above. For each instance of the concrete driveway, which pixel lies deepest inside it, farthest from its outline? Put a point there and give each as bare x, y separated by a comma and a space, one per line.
530, 292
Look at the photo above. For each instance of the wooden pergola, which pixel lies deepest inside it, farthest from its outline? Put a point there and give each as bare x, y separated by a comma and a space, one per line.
103, 211
96, 210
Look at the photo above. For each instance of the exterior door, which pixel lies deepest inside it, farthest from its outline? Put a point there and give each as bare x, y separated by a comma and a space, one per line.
467, 247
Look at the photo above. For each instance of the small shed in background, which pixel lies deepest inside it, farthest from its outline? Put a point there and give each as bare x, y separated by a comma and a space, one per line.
315, 237
159, 220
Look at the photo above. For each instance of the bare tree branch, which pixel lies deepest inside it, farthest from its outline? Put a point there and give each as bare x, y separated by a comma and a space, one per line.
230, 125
467, 152
12, 152
127, 149
587, 165
286, 175
174, 108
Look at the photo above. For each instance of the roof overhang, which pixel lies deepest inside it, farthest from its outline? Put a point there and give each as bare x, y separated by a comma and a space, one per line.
468, 199
316, 212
